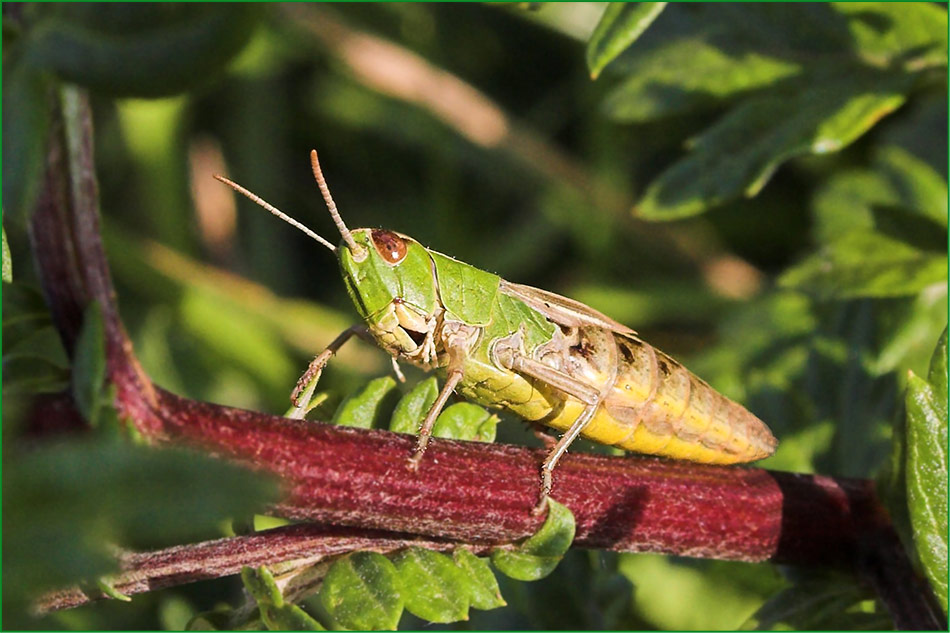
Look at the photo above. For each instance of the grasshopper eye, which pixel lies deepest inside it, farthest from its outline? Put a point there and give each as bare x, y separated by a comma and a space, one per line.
390, 246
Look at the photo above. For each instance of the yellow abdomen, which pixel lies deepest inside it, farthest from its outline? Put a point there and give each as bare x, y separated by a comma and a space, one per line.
656, 406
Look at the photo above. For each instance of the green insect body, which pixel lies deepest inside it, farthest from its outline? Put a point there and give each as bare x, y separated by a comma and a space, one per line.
547, 359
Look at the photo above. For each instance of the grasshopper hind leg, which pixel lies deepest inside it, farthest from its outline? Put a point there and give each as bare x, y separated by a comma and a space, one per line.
554, 456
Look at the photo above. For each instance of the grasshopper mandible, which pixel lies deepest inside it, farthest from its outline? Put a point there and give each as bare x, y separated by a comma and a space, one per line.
548, 359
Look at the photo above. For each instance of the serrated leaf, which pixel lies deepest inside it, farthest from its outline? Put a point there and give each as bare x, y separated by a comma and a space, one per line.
466, 421
738, 154
413, 406
683, 74
937, 375
926, 468
89, 364
886, 33
260, 583
866, 264
289, 617
619, 27
483, 590
140, 51
361, 592
7, 263
537, 557
365, 408
433, 587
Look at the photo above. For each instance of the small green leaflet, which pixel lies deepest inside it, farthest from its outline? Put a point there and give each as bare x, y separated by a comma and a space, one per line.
434, 588
364, 408
361, 591
539, 555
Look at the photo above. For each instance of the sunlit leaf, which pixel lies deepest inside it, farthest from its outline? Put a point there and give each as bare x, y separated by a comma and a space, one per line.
619, 27
361, 592
926, 455
738, 154
883, 32
433, 587
683, 74
538, 556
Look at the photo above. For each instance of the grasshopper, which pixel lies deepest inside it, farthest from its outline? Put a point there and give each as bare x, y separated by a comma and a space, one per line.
548, 359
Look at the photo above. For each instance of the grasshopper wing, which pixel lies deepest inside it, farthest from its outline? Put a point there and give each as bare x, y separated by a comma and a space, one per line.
560, 309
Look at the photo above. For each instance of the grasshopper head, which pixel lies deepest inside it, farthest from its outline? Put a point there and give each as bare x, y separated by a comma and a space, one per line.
389, 276
390, 279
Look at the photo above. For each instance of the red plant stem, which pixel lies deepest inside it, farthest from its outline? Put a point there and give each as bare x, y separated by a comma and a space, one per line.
472, 492
306, 544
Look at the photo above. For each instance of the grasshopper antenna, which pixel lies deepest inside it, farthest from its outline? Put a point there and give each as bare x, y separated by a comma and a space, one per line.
253, 197
322, 183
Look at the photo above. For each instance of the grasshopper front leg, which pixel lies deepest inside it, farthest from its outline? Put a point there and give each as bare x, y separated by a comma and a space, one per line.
310, 377
425, 431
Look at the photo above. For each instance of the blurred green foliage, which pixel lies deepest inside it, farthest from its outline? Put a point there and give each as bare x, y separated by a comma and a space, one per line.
797, 152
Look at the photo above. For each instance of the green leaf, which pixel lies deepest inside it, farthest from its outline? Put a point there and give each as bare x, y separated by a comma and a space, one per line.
926, 464
141, 51
466, 421
823, 603
365, 408
89, 364
361, 592
288, 617
7, 264
433, 587
866, 264
848, 200
483, 591
67, 505
25, 125
619, 27
885, 33
658, 86
413, 406
259, 582
537, 557
738, 155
